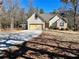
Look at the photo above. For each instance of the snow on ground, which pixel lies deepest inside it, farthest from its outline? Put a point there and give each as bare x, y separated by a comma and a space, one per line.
16, 38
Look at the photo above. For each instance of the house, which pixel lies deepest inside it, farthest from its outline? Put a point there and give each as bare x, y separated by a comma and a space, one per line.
58, 22
35, 22
45, 21
46, 18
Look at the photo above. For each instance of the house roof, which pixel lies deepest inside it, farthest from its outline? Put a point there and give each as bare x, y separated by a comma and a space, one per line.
46, 17
63, 18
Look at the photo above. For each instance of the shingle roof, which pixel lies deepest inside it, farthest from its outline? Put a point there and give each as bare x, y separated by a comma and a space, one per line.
46, 17
63, 18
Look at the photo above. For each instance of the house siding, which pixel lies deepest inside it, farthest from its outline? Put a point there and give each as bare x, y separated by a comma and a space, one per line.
47, 25
33, 20
55, 23
64, 24
53, 20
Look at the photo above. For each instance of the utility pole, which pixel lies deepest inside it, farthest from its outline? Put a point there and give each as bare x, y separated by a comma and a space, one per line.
1, 3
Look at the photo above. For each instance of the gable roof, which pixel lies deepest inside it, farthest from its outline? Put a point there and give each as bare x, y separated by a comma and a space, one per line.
35, 15
43, 17
63, 18
46, 17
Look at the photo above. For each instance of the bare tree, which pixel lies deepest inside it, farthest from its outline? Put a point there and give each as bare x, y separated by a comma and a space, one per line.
13, 13
31, 8
74, 4
0, 12
12, 10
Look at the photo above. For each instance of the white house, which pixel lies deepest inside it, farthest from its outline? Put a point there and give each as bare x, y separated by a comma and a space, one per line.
58, 22
43, 21
35, 22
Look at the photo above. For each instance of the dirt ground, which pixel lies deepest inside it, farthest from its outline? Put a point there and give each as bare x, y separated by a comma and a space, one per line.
49, 45
61, 43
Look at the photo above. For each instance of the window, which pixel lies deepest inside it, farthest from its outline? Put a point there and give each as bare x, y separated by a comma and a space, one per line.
62, 23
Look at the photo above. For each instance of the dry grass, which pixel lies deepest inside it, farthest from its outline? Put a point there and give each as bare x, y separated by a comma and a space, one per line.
9, 30
65, 35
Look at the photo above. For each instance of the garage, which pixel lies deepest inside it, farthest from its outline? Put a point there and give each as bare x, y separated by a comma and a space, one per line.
35, 27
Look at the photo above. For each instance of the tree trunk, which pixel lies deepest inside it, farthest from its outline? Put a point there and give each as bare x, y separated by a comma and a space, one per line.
12, 23
0, 24
75, 10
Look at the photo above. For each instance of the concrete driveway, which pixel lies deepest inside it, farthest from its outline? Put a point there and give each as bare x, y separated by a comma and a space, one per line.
16, 38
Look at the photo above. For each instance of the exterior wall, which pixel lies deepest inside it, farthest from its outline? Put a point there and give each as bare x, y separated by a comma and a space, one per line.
36, 27
53, 20
33, 20
56, 21
59, 24
46, 25
36, 21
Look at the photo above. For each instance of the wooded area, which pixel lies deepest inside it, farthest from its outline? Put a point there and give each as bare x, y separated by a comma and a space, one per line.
13, 15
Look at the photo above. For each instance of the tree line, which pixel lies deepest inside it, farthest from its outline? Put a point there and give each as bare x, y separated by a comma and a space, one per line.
12, 13
74, 11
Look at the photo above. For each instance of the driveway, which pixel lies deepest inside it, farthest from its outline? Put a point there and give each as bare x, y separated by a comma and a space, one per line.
6, 39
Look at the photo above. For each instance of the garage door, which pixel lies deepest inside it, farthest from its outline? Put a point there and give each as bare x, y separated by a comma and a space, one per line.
36, 27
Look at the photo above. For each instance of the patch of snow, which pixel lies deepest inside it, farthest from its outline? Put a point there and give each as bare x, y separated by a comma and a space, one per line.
2, 45
14, 42
3, 48
17, 38
2, 40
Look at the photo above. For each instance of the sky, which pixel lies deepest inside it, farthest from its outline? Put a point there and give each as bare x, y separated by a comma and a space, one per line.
46, 5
